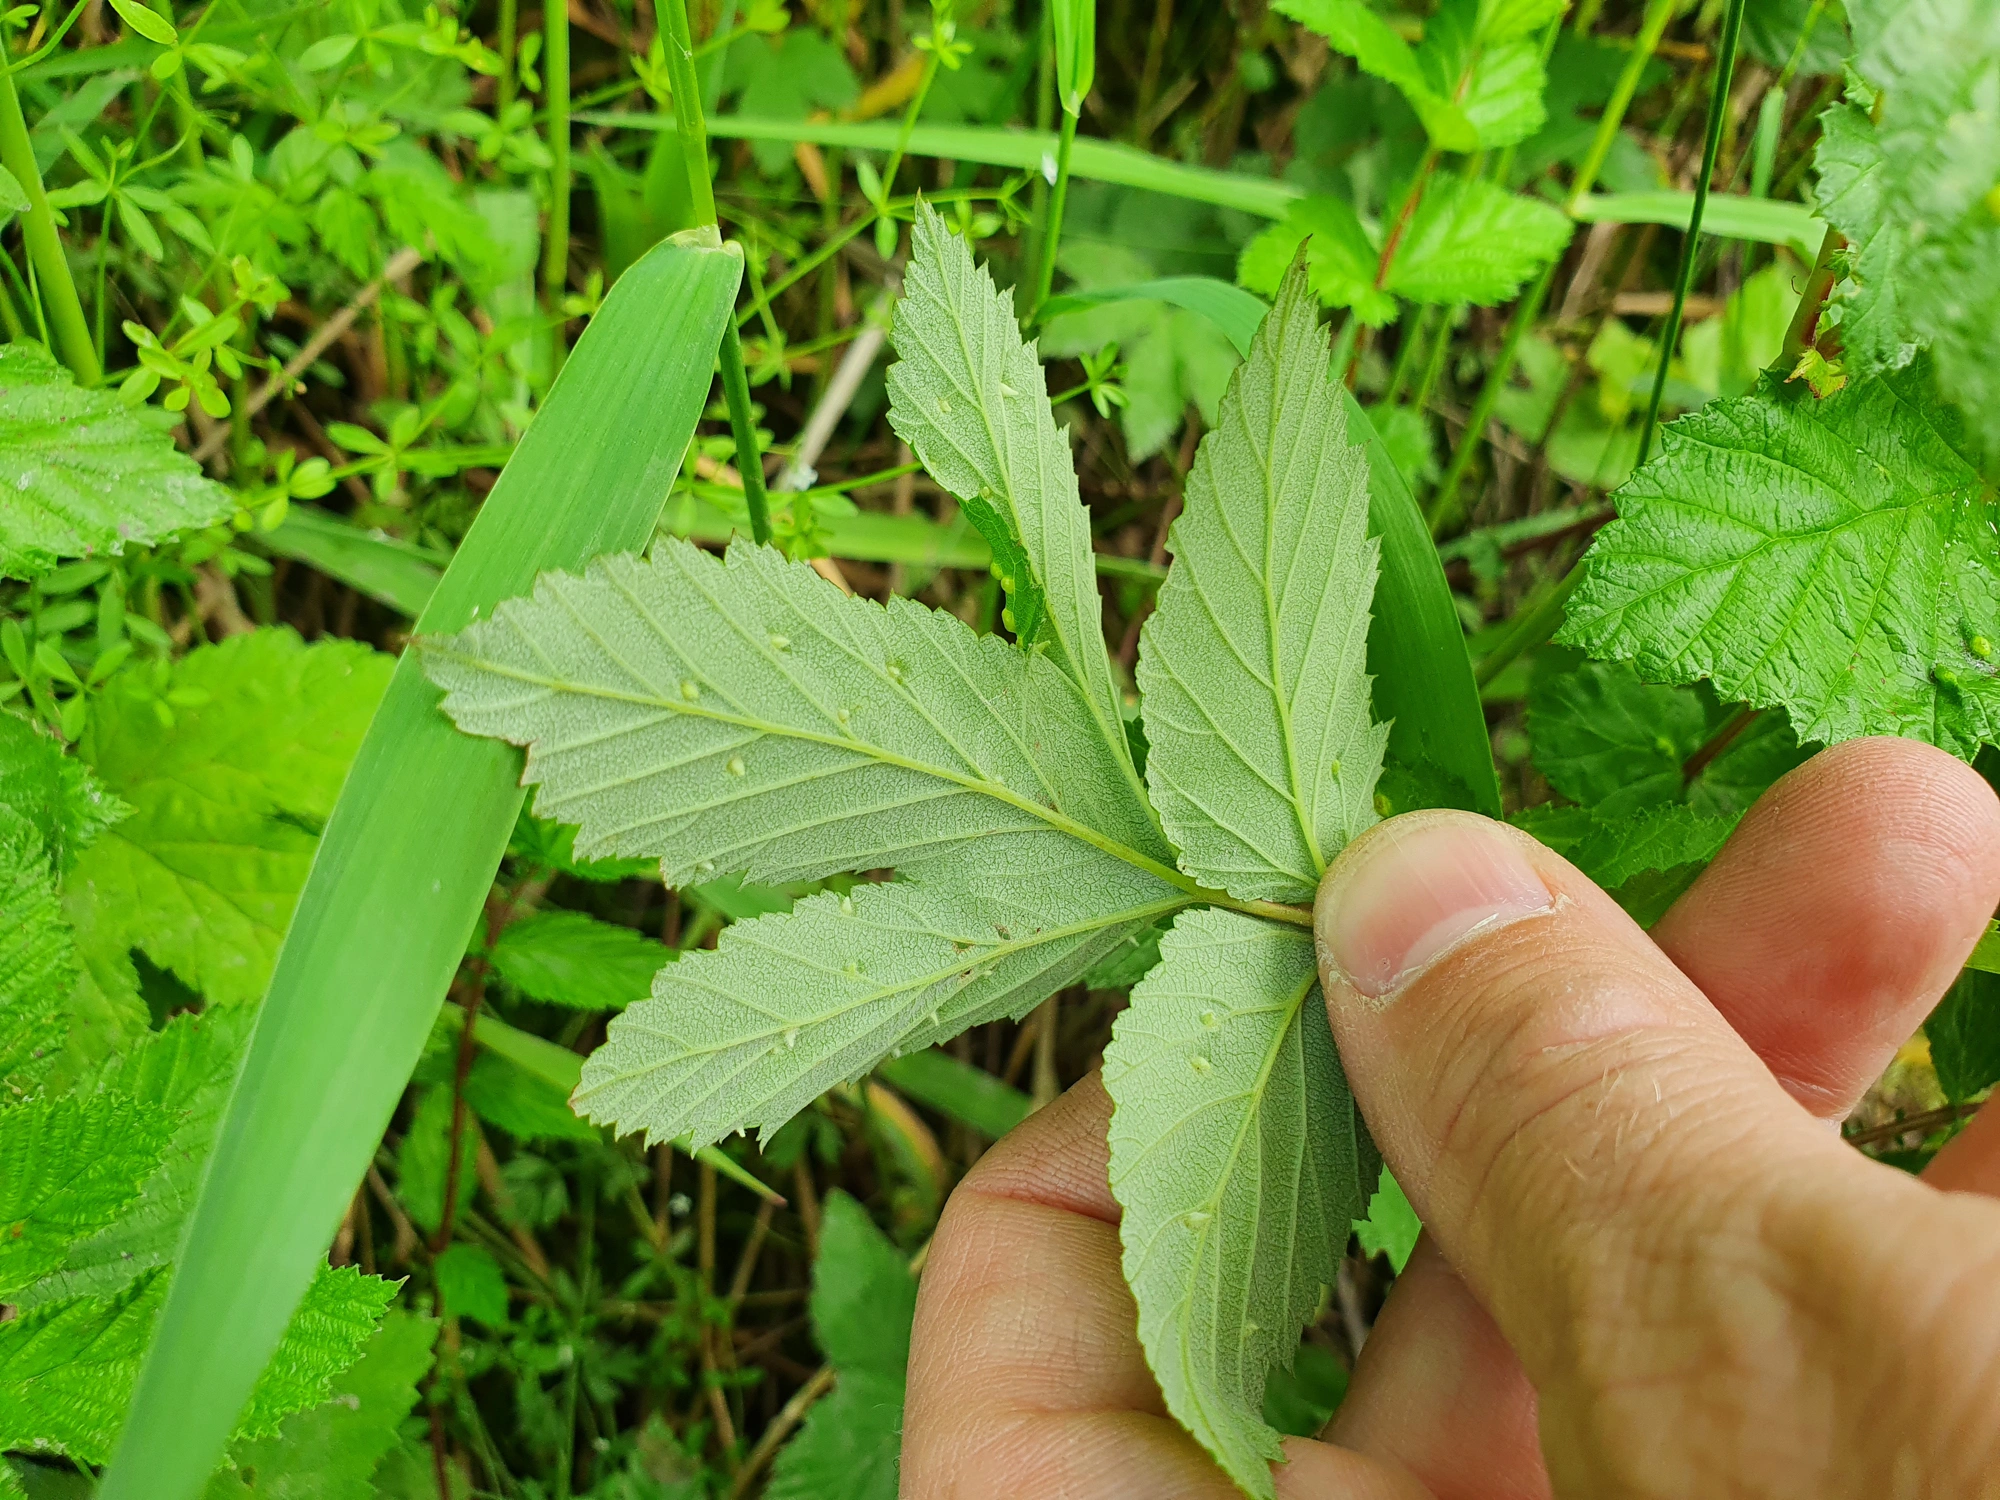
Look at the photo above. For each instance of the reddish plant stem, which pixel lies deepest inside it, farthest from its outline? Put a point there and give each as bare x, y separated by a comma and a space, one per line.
1403, 216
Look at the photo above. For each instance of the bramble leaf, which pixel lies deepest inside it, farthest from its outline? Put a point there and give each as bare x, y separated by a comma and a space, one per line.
83, 473
787, 1006
568, 958
1240, 1163
38, 962
331, 1451
68, 1167
970, 399
1473, 241
1964, 1033
226, 803
1835, 557
1912, 190
340, 1313
52, 790
1253, 667
746, 717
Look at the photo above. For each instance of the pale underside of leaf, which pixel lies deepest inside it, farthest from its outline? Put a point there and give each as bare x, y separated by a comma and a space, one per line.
1263, 756
1835, 557
81, 473
1239, 1162
789, 1005
970, 399
747, 718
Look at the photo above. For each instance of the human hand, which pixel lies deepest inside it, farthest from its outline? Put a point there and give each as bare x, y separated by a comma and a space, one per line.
1651, 1267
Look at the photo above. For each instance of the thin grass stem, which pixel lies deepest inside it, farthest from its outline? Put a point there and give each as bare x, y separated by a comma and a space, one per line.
46, 258
1652, 26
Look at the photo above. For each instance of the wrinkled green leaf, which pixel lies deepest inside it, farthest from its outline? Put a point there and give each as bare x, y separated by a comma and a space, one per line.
1263, 754
82, 473
68, 1167
1834, 557
1471, 241
38, 962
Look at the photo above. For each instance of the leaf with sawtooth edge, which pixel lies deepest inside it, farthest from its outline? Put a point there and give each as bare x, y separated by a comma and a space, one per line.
68, 1167
970, 399
1473, 241
82, 473
1835, 557
746, 717
570, 958
1239, 1161
38, 964
787, 1006
1263, 753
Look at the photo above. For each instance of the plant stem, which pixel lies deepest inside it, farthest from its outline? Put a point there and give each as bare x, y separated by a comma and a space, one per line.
1530, 629
1653, 26
1444, 507
743, 427
1045, 275
688, 119
45, 251
509, 17
1718, 116
1819, 285
910, 114
1419, 318
555, 93
1403, 216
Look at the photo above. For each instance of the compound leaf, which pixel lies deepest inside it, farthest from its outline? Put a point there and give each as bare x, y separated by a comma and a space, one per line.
1263, 754
746, 717
1834, 557
1240, 1163
83, 473
569, 958
970, 399
789, 1005
1473, 241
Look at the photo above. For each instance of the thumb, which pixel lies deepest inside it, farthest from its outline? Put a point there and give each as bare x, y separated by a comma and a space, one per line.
1569, 1114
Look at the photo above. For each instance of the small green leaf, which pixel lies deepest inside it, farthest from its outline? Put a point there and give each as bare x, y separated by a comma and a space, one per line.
1472, 241
149, 23
1964, 1033
1075, 24
13, 197
83, 473
527, 1107
471, 1285
423, 1161
568, 958
1392, 1226
328, 52
1343, 260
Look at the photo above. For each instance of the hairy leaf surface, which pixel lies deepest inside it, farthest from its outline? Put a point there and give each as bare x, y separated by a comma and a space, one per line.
970, 399
68, 1166
1907, 172
1263, 756
226, 803
746, 717
1240, 1163
1835, 557
82, 473
789, 1005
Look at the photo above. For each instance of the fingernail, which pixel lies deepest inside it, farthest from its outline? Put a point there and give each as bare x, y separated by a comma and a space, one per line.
1414, 889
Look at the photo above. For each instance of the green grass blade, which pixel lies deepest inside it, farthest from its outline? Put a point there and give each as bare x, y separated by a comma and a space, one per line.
969, 1095
401, 872
1730, 215
1094, 160
394, 573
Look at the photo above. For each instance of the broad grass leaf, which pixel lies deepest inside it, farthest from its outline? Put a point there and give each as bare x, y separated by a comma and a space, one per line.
1263, 752
1472, 241
787, 1006
572, 959
226, 802
1240, 1163
1836, 558
746, 717
970, 399
86, 474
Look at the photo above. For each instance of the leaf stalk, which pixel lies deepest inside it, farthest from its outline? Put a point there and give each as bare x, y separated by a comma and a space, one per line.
45, 251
